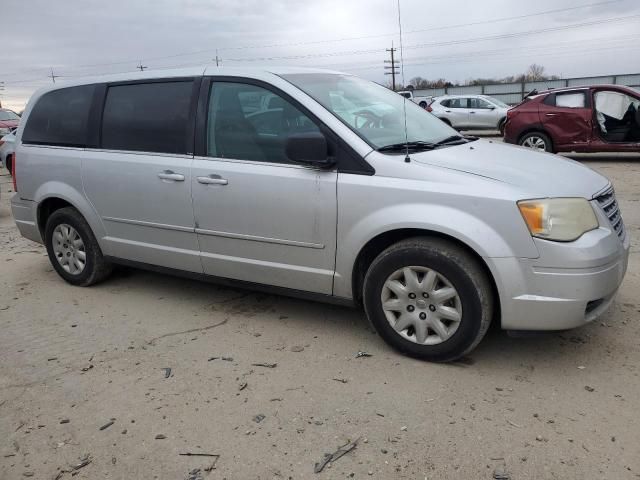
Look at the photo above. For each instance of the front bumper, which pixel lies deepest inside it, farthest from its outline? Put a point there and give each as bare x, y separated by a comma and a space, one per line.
569, 285
25, 215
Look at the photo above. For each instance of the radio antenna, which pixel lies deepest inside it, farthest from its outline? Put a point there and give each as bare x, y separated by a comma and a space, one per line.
407, 159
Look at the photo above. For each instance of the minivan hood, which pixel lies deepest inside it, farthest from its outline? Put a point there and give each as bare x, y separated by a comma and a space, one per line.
537, 174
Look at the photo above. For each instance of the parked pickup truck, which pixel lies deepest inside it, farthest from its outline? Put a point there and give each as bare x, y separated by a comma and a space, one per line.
422, 101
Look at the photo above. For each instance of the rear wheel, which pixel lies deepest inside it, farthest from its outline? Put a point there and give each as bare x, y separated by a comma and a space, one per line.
423, 104
536, 141
73, 249
9, 165
428, 298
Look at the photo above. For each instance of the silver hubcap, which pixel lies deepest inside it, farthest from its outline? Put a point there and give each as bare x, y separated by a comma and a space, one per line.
535, 142
68, 248
421, 305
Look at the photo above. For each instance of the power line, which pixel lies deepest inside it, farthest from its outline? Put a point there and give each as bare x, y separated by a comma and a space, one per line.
443, 43
336, 40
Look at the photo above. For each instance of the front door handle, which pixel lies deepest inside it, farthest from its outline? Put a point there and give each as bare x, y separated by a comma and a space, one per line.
171, 175
550, 114
212, 180
472, 112
447, 111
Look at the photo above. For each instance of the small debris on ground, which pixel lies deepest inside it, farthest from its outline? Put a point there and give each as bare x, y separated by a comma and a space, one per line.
581, 367
52, 359
266, 365
341, 380
588, 388
501, 474
64, 420
190, 454
87, 368
167, 372
403, 429
160, 436
195, 474
332, 457
242, 386
259, 418
107, 425
297, 348
363, 354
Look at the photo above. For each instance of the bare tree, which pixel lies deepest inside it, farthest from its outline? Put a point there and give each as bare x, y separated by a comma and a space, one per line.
535, 72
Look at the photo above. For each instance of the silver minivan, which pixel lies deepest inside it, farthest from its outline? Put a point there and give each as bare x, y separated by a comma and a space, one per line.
319, 184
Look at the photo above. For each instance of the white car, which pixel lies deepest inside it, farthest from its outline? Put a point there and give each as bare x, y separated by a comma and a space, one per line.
7, 147
420, 100
470, 112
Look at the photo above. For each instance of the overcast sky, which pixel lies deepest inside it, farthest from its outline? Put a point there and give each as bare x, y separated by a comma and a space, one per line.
456, 39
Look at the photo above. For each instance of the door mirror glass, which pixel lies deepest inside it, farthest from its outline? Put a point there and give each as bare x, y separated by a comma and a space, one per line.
309, 148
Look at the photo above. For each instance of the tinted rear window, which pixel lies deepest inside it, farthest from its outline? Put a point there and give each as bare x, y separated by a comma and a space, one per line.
148, 117
60, 118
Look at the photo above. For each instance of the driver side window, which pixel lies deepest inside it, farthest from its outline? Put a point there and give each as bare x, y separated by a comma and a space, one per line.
248, 122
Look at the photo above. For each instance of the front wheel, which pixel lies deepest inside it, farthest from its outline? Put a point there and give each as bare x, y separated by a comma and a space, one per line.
73, 249
428, 298
536, 141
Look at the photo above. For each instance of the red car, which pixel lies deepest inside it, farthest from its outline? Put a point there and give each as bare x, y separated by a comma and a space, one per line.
601, 118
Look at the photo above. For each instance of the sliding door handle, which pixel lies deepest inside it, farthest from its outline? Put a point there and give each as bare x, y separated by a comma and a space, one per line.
171, 175
212, 180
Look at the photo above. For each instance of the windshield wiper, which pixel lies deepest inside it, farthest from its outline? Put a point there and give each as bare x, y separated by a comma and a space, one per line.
410, 146
453, 140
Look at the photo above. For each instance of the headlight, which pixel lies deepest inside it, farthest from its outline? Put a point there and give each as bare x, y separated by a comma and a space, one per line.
560, 219
4, 131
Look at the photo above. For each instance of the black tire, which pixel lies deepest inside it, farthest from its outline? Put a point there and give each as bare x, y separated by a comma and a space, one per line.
96, 268
548, 146
463, 272
423, 104
446, 121
8, 164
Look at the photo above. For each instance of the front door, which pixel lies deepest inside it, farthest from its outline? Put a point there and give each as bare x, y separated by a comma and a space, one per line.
260, 218
568, 119
482, 114
139, 181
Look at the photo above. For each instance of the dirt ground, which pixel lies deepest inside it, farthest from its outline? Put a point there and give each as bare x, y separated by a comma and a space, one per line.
82, 380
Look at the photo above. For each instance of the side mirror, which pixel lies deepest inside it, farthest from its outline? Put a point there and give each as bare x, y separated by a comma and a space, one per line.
492, 107
310, 149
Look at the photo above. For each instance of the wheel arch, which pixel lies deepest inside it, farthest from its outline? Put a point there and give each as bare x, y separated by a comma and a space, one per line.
537, 129
52, 196
382, 241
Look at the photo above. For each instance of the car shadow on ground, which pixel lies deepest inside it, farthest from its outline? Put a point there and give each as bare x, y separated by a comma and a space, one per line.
268, 311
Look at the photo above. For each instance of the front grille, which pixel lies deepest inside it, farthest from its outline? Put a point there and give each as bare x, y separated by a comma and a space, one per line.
608, 203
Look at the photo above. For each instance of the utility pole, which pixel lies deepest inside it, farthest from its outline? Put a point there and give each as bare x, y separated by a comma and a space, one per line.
1, 90
141, 67
393, 69
217, 59
53, 77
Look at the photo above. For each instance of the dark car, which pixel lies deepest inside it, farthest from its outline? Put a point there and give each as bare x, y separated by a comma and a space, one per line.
601, 118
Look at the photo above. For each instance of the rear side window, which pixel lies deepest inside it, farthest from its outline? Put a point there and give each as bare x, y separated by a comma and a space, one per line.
148, 117
458, 103
60, 118
571, 100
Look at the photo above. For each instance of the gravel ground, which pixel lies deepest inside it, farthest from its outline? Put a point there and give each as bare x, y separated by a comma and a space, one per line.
83, 390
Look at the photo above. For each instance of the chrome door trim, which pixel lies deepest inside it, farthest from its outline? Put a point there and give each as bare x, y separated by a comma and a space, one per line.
149, 224
255, 238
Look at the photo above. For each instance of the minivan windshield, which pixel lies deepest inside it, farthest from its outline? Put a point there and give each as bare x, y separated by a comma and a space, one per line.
372, 111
